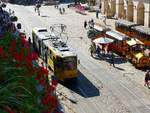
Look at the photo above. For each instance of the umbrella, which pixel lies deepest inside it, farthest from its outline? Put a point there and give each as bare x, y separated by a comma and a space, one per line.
103, 40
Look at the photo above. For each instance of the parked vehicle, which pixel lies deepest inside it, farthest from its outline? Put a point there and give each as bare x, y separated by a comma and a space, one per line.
130, 48
135, 53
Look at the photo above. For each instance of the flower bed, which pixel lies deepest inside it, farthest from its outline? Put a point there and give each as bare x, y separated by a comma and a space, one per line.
24, 85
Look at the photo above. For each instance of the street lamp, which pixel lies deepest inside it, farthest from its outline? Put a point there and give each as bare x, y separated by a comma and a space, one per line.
149, 14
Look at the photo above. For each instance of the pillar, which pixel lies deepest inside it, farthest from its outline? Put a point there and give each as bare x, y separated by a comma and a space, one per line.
113, 7
140, 13
121, 9
130, 11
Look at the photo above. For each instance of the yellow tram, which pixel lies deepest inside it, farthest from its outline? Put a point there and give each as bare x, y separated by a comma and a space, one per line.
56, 54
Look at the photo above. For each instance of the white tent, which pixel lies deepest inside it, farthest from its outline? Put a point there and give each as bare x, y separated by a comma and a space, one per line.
103, 40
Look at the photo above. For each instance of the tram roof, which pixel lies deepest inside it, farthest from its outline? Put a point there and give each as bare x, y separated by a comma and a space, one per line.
44, 34
142, 29
126, 23
116, 35
59, 47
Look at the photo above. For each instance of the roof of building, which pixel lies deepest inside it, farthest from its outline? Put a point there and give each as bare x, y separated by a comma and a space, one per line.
143, 29
126, 23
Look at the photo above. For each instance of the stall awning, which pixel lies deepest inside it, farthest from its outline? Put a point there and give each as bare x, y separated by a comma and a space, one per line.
103, 40
100, 28
116, 35
134, 42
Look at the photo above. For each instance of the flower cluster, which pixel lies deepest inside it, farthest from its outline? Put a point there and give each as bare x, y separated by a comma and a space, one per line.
26, 87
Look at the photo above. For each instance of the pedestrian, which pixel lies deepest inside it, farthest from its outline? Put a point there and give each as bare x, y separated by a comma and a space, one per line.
112, 62
98, 50
85, 24
63, 10
97, 12
147, 79
38, 10
9, 11
104, 20
92, 23
29, 40
62, 27
92, 49
60, 11
35, 8
89, 24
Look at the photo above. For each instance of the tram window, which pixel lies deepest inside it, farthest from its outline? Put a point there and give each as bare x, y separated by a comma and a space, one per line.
50, 54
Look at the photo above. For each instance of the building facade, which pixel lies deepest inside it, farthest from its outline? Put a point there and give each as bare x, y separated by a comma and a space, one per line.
132, 10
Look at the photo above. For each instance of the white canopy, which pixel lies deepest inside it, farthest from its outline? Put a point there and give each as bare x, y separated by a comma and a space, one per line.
103, 40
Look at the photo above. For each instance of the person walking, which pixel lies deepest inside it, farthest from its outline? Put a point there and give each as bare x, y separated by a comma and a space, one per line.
92, 23
112, 62
92, 49
85, 24
63, 10
29, 40
147, 79
38, 11
60, 11
98, 51
97, 12
104, 20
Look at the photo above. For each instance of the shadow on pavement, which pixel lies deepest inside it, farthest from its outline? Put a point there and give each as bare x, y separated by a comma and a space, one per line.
82, 86
120, 68
44, 16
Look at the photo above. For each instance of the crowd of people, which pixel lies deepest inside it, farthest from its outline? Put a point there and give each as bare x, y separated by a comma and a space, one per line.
89, 24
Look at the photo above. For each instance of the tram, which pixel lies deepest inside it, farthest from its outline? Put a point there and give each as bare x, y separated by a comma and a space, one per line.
56, 54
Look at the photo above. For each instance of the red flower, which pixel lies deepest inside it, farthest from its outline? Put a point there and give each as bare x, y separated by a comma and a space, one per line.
1, 50
50, 89
34, 56
23, 41
13, 43
54, 82
44, 71
42, 82
17, 57
50, 100
9, 110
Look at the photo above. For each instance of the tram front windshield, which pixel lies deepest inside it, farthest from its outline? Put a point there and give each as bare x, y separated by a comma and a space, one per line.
70, 63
